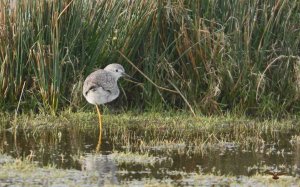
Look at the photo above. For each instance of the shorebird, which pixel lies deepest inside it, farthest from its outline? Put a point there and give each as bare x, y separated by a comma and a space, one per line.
101, 87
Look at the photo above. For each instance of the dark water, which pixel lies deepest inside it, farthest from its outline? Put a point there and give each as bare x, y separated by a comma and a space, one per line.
62, 147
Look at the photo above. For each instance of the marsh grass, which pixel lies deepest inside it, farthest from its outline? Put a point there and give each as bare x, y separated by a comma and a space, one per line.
149, 131
146, 140
218, 56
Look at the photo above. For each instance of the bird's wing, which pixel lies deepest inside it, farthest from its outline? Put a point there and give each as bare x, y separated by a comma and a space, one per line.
106, 80
99, 78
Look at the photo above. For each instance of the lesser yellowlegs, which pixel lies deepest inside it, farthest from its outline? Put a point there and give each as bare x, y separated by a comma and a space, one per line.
101, 87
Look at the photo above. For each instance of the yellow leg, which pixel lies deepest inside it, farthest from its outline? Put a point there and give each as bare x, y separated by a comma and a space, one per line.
100, 129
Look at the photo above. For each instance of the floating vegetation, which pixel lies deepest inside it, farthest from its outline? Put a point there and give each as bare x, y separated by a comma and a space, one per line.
150, 149
143, 159
25, 173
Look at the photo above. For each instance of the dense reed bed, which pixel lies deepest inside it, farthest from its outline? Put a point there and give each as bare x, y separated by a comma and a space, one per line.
208, 57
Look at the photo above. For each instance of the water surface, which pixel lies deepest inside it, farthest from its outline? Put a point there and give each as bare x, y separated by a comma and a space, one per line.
68, 148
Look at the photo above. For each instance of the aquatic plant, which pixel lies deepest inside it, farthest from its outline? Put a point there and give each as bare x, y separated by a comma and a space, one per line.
204, 56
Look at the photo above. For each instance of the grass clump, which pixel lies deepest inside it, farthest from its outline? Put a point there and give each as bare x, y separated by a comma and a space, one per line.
159, 132
207, 57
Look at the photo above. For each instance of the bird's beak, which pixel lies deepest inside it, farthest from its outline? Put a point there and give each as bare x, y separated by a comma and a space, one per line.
128, 77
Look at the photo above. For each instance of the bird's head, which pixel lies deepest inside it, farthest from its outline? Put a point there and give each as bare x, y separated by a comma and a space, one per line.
117, 70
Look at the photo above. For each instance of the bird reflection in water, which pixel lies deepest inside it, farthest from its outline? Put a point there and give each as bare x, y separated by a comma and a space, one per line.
104, 165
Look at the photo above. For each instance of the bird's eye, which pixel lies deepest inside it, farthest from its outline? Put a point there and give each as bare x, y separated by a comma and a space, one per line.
117, 70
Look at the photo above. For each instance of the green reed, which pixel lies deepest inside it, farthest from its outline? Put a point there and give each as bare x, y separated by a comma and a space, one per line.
210, 56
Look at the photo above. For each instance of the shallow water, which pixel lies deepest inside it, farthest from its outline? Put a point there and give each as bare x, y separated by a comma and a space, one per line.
71, 149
